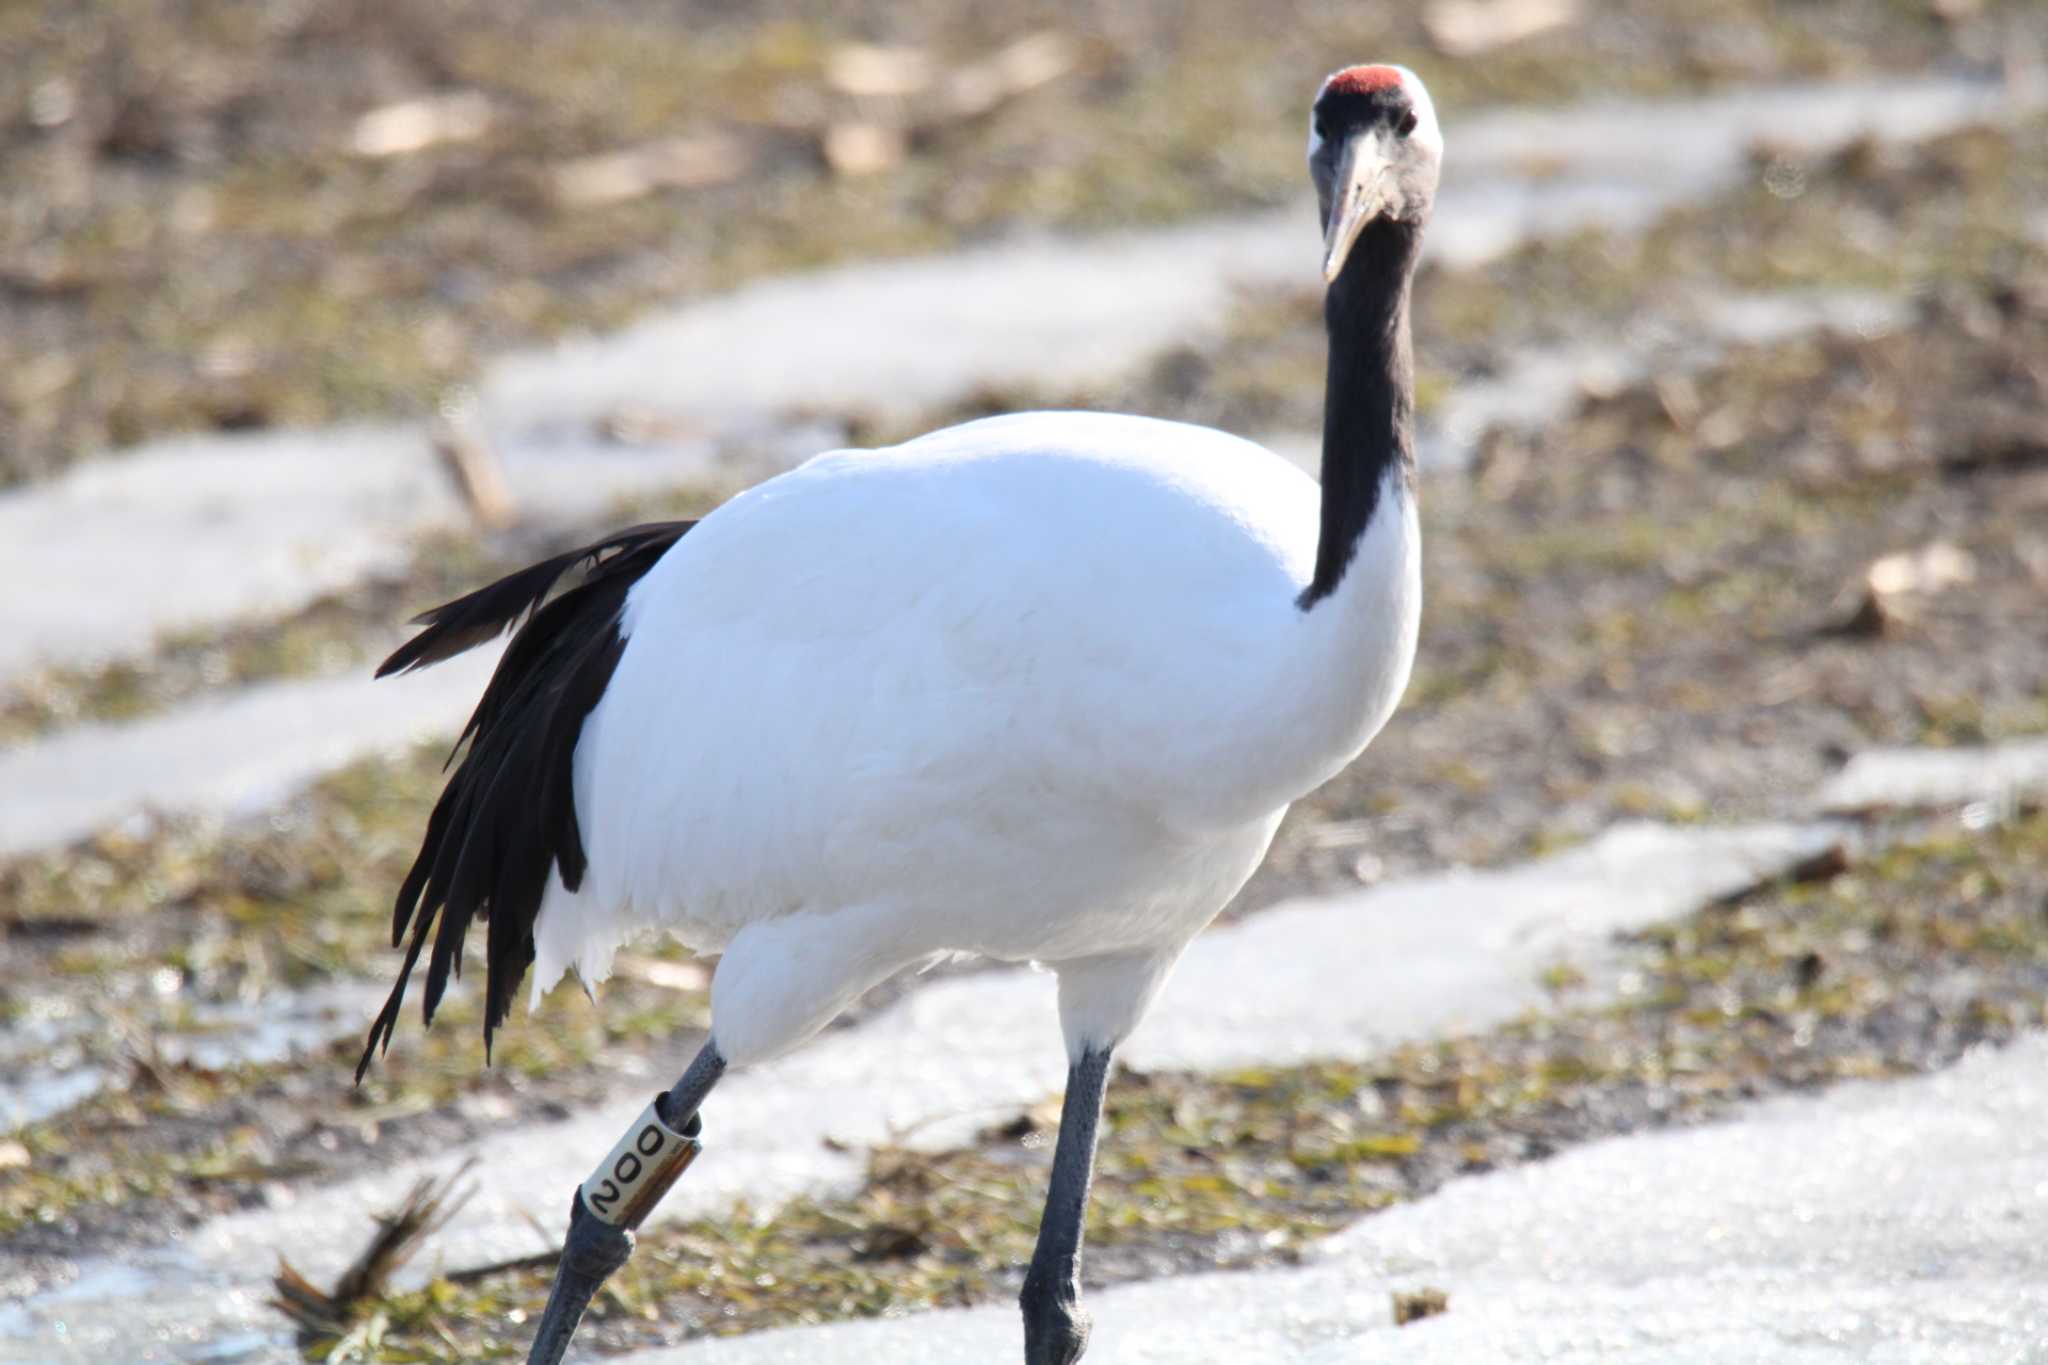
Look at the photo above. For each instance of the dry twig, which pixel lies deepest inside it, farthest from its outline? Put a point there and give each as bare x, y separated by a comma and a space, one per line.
400, 1233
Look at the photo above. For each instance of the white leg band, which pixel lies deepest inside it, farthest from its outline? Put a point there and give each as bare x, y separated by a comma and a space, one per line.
639, 1171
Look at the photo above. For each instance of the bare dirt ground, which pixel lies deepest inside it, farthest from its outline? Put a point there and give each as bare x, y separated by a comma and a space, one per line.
225, 216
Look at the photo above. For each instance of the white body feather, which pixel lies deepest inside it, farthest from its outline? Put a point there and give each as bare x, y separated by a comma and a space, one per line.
1035, 687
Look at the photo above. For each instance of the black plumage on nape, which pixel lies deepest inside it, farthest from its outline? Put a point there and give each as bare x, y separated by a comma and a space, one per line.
506, 821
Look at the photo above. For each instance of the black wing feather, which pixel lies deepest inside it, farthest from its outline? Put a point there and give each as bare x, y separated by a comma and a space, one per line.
508, 814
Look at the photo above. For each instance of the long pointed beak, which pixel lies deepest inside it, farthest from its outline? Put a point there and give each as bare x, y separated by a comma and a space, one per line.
1361, 174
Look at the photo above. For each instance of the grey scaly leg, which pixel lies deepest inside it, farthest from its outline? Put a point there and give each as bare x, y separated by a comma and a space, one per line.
655, 1150
1055, 1328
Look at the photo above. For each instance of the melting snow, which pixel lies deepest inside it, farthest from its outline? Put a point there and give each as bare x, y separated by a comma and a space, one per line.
1938, 777
199, 530
237, 752
1342, 977
1882, 1225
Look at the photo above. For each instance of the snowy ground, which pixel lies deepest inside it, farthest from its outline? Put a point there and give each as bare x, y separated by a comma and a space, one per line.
284, 734
1886, 1225
1337, 978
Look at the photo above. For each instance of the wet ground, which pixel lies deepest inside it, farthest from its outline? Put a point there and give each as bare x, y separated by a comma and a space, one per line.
1688, 598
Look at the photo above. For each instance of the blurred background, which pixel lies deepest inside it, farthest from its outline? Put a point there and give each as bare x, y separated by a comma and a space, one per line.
1733, 364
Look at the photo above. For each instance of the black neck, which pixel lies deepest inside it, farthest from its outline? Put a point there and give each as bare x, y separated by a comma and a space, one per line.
1369, 401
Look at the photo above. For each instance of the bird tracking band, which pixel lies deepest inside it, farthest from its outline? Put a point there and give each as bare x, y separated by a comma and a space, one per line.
640, 1169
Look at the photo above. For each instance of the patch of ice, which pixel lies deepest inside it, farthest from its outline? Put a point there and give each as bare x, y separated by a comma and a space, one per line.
30, 1093
270, 1028
1938, 777
238, 752
191, 532
197, 530
1540, 384
1526, 173
209, 1034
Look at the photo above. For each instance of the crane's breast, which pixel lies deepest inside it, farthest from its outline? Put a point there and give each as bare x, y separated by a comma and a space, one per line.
979, 656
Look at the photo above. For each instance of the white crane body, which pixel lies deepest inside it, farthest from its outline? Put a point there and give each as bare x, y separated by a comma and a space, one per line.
1035, 687
1038, 687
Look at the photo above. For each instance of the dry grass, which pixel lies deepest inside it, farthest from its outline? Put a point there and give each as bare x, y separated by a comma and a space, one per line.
195, 239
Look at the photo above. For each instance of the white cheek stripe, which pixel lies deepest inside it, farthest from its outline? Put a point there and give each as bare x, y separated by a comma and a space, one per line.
632, 1180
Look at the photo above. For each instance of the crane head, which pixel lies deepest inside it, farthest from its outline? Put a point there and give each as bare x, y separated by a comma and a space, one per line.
1374, 151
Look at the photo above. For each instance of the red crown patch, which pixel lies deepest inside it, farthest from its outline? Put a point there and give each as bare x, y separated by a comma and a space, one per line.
1363, 80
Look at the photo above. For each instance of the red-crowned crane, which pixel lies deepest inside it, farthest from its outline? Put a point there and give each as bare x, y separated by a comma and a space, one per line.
1038, 687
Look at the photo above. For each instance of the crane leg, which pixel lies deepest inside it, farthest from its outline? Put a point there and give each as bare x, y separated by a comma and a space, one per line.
1055, 1328
655, 1150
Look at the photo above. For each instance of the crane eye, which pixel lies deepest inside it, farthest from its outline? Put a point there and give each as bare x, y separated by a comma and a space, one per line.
1407, 124
1320, 132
